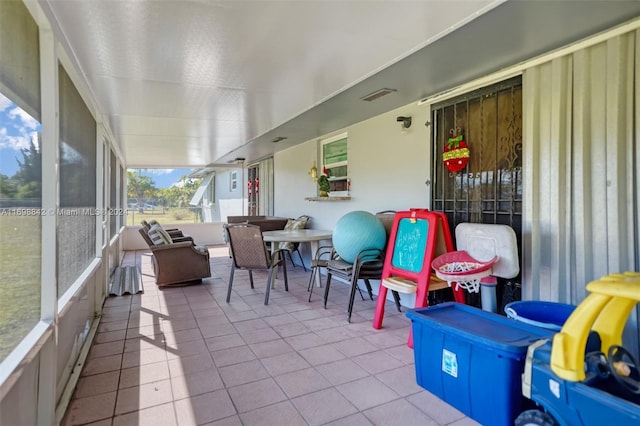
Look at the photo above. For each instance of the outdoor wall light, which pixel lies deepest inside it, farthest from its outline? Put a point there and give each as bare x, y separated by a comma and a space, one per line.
406, 121
313, 172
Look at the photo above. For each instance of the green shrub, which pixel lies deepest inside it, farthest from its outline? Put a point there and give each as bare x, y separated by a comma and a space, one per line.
181, 214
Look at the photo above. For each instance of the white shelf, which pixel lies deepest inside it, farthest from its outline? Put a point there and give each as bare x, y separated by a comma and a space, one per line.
327, 198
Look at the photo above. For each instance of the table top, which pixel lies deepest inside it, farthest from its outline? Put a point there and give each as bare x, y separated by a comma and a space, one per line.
297, 235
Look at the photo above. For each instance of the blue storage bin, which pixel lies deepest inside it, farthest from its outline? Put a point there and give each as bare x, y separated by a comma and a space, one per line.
472, 359
551, 315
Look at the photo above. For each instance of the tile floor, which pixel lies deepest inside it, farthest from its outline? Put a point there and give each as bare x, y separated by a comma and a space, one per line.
183, 356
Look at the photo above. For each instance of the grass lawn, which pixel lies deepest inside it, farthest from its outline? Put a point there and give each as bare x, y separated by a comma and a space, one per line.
166, 216
20, 263
20, 255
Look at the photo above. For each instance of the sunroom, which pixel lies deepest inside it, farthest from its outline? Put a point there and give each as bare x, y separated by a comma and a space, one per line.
545, 94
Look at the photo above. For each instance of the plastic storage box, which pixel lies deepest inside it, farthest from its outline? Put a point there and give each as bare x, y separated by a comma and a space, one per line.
473, 359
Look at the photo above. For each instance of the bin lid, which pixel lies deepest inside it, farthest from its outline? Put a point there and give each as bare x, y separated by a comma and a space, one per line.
484, 328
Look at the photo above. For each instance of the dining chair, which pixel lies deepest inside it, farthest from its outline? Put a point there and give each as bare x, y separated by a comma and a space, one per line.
320, 260
367, 266
249, 252
290, 247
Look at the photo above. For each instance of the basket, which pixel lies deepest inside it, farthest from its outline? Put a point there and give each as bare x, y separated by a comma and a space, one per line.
461, 268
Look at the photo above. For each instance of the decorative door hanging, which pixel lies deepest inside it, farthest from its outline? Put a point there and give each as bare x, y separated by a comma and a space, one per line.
251, 186
456, 152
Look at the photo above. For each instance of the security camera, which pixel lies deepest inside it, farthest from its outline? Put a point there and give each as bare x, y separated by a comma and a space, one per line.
406, 121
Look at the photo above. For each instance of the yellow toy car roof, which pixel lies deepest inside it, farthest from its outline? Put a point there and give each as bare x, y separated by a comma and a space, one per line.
605, 310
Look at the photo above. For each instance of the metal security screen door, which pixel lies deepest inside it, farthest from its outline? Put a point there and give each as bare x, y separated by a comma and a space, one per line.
489, 188
253, 190
260, 188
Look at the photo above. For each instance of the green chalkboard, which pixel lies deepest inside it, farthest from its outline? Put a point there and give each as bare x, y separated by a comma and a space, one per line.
410, 244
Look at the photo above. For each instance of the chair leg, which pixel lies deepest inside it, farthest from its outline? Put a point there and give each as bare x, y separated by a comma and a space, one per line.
301, 261
311, 282
369, 289
284, 272
359, 291
326, 289
269, 280
233, 268
396, 297
251, 278
288, 253
313, 275
352, 296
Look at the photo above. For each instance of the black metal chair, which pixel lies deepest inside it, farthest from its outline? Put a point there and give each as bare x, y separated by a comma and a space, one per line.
320, 260
250, 253
367, 266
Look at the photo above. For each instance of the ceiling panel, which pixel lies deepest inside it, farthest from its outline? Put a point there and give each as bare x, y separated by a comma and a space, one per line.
234, 70
201, 82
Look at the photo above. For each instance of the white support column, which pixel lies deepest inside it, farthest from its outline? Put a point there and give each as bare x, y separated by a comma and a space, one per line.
102, 188
101, 282
49, 268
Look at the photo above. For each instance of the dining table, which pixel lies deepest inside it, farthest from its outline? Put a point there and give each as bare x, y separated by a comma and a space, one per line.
311, 236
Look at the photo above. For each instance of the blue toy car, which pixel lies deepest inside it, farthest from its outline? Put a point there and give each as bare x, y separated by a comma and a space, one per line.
583, 376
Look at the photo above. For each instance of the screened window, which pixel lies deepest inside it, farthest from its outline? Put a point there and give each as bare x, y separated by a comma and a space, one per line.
233, 181
113, 195
20, 176
76, 231
335, 162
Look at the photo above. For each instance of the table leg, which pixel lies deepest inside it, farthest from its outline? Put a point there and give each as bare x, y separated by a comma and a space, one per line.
274, 252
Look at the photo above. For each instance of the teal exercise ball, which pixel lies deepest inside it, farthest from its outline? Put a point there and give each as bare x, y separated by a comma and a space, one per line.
356, 231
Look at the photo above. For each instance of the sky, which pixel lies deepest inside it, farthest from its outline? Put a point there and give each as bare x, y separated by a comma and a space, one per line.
17, 130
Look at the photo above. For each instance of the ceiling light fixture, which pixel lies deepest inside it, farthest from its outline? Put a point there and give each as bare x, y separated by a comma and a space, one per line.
377, 94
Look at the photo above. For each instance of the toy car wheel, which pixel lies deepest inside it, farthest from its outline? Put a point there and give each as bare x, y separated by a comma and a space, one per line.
535, 418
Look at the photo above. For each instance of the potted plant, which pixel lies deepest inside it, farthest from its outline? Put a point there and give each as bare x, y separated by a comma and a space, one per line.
323, 186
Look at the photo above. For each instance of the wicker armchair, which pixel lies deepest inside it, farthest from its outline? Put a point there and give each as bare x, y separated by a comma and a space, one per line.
250, 253
175, 233
178, 263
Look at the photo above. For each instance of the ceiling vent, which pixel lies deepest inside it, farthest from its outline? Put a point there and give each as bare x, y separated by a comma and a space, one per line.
278, 139
377, 94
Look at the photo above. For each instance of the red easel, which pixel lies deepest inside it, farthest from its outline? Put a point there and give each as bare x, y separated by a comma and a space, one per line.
417, 237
